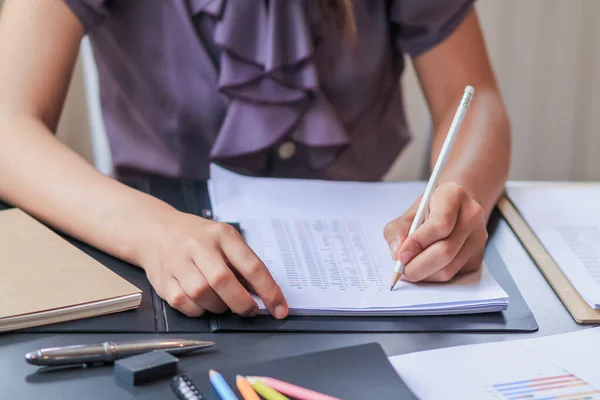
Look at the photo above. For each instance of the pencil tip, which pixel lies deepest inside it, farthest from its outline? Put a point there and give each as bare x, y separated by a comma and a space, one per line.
212, 372
395, 280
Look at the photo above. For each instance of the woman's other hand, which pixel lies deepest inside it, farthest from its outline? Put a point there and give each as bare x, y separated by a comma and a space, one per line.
194, 264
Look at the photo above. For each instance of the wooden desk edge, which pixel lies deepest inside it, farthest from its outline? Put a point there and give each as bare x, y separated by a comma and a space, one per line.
578, 308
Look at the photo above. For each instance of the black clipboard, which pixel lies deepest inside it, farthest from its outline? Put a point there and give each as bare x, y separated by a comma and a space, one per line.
155, 315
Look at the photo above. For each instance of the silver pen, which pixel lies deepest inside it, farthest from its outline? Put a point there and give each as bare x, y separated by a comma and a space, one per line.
110, 351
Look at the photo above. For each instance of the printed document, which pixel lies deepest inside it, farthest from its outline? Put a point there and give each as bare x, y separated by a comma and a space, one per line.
566, 220
323, 243
556, 367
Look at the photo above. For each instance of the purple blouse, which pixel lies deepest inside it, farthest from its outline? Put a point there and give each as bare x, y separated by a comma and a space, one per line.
262, 87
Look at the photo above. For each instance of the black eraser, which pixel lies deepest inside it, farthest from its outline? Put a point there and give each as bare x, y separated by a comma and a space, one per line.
146, 367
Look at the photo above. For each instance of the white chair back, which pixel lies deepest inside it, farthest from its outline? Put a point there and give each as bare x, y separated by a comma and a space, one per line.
99, 139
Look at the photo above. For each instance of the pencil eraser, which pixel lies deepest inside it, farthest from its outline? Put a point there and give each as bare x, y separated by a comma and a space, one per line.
146, 367
470, 89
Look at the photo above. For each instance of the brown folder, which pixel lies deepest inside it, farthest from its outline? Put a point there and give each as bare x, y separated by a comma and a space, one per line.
579, 309
44, 279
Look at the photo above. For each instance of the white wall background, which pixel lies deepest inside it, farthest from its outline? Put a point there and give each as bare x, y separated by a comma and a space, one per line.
546, 54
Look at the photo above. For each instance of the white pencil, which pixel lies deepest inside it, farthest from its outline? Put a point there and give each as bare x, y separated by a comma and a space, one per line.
437, 171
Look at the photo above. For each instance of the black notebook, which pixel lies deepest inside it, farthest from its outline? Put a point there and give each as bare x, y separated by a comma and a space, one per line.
155, 315
356, 372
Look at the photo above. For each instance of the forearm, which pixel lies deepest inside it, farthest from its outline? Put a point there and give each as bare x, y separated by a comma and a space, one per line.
480, 158
45, 178
39, 44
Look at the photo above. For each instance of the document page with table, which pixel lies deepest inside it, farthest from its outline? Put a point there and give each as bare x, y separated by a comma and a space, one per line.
567, 222
323, 243
556, 367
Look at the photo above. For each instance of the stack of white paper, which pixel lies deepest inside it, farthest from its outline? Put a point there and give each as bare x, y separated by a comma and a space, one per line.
323, 243
566, 220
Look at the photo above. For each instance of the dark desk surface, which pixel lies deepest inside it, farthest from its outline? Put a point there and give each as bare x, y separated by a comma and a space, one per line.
19, 380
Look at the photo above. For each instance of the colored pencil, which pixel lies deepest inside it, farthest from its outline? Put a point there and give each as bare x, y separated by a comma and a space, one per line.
266, 391
295, 391
245, 388
221, 386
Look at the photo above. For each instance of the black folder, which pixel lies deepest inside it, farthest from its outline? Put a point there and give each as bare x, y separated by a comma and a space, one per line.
517, 317
155, 315
356, 372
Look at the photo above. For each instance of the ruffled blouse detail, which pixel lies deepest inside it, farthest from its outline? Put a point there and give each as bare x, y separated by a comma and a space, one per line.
267, 72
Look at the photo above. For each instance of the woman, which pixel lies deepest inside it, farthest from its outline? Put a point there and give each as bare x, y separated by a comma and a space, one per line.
294, 88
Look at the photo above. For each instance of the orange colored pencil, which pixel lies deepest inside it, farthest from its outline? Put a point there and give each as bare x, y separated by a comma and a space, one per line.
245, 388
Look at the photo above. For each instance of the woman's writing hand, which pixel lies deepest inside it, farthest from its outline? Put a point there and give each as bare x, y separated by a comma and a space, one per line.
451, 240
194, 264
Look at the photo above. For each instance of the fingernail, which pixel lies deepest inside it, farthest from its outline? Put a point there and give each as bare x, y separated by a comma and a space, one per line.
406, 256
394, 249
280, 312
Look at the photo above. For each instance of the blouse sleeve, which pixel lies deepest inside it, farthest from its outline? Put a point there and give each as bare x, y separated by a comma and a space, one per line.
419, 25
90, 13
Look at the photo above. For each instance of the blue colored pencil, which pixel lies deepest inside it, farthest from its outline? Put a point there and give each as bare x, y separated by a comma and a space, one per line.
221, 386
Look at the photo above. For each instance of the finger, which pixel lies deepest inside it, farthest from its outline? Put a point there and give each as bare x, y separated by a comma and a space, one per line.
173, 293
395, 233
243, 281
464, 262
249, 265
197, 288
438, 255
443, 215
473, 264
222, 280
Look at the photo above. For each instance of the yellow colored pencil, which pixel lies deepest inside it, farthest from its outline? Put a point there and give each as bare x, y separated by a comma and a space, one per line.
266, 391
293, 391
245, 388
